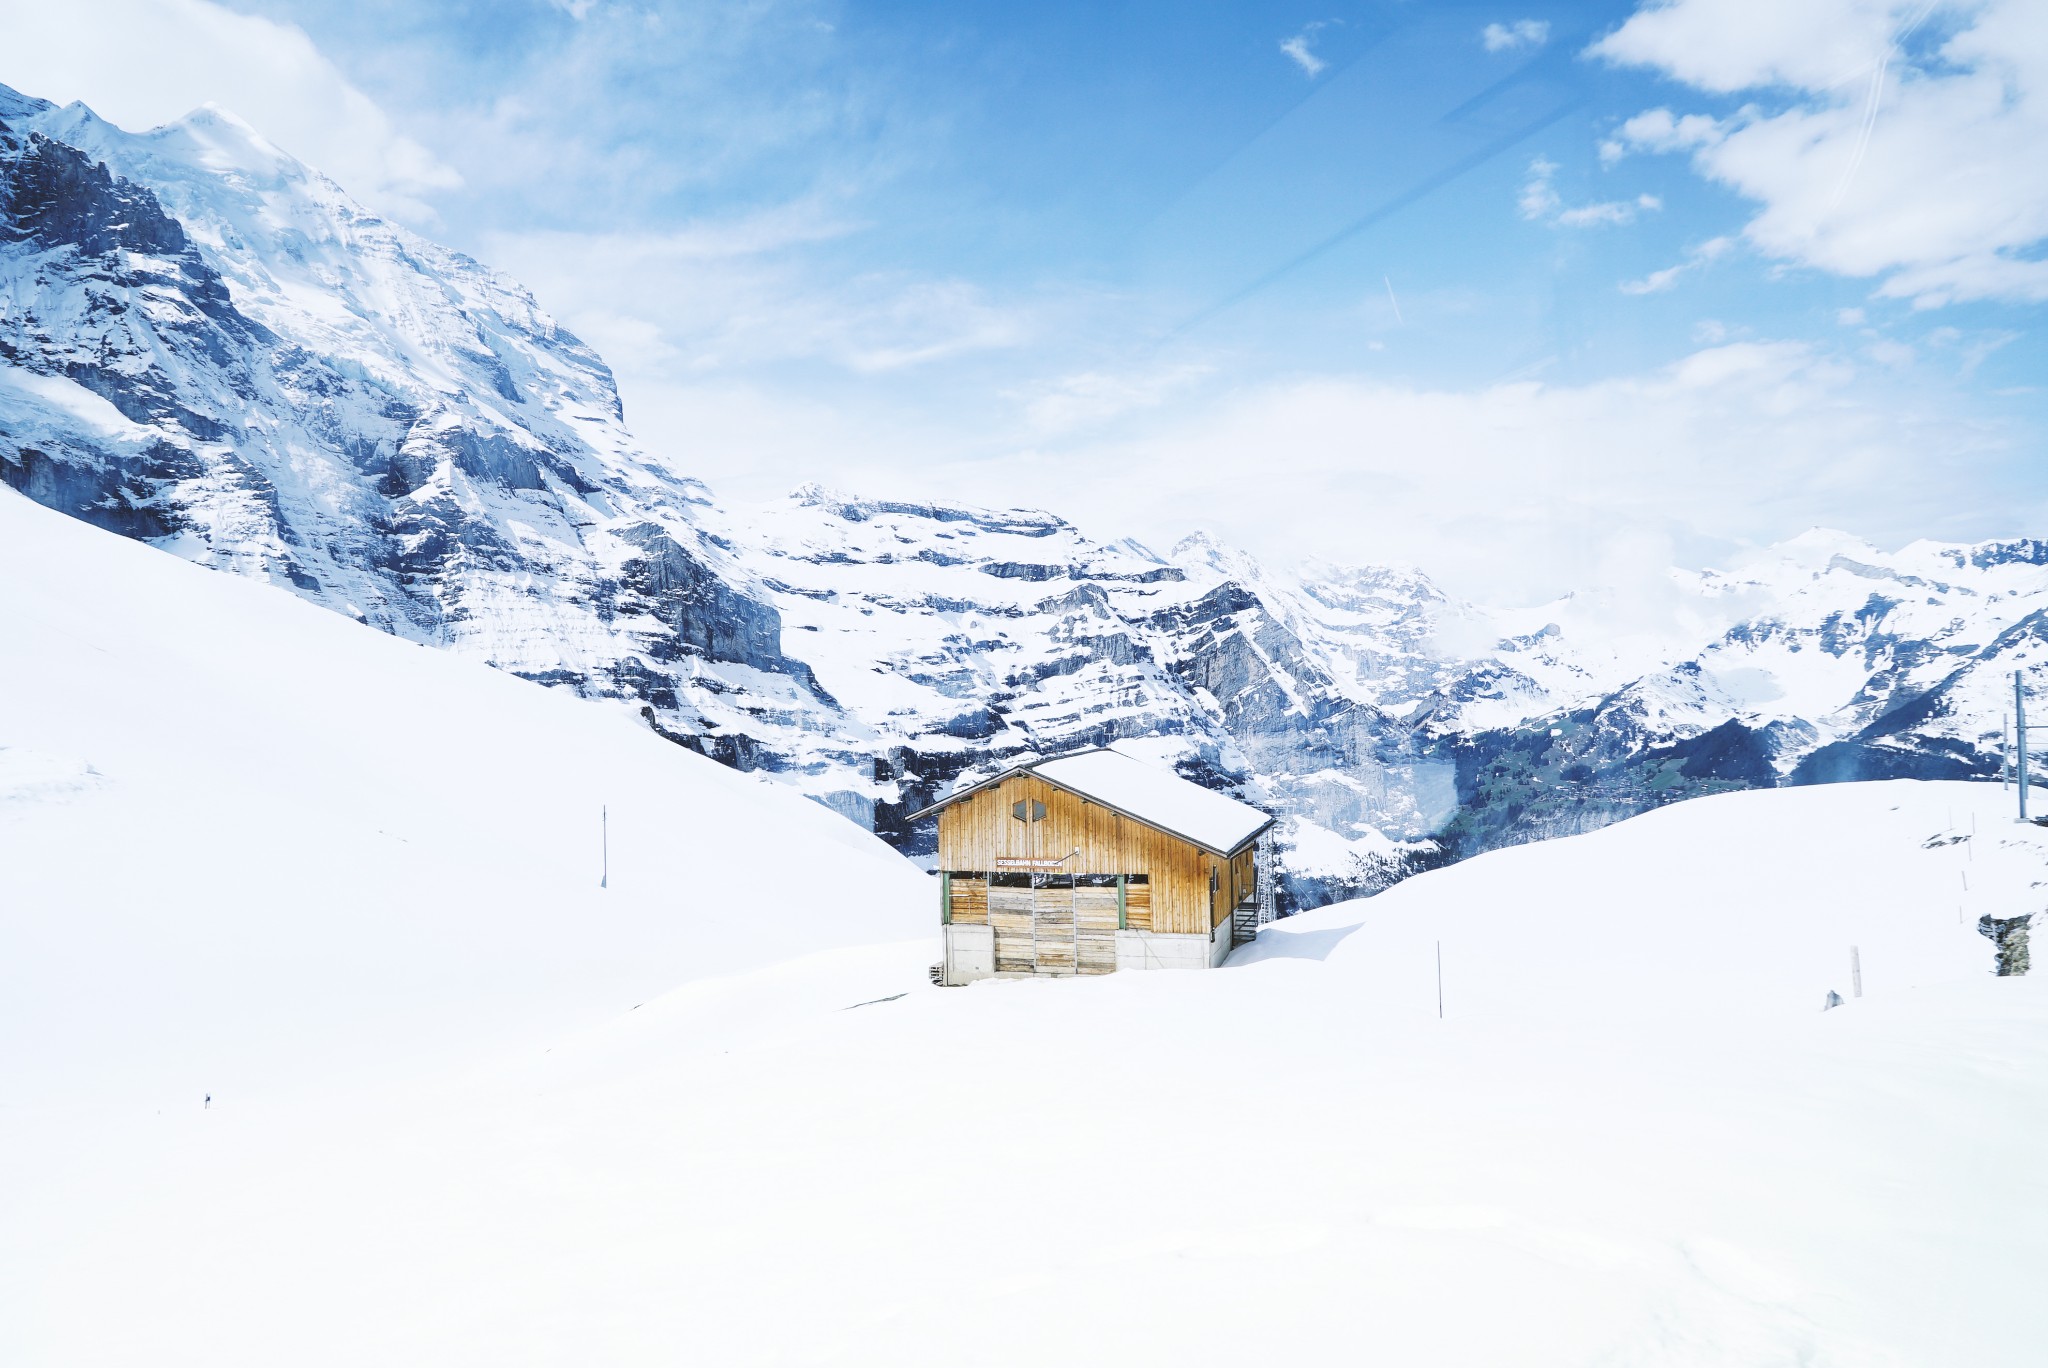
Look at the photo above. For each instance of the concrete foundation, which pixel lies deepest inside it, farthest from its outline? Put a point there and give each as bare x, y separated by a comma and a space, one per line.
970, 953
1162, 950
1220, 944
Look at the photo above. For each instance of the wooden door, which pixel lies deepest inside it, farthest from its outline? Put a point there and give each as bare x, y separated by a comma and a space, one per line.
1010, 913
1053, 925
1095, 925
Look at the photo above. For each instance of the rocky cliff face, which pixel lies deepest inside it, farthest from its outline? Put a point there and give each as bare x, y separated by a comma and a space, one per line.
205, 344
211, 346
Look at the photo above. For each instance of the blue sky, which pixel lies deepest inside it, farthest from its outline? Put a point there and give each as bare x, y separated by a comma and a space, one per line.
1425, 282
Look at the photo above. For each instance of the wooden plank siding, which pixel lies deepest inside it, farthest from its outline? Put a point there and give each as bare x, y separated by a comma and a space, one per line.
1138, 906
969, 900
1009, 912
976, 832
1095, 929
1054, 928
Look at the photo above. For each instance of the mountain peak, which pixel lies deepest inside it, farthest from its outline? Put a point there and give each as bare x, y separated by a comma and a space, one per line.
1203, 548
223, 126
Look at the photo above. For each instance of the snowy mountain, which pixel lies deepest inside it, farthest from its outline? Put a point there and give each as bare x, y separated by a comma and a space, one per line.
1841, 662
209, 346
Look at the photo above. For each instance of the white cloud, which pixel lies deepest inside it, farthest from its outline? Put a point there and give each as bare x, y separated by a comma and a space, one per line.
1658, 130
1522, 33
1850, 318
1091, 398
1609, 211
1656, 282
1894, 151
1520, 490
751, 357
1517, 490
141, 63
1297, 48
725, 295
1970, 349
1713, 249
1732, 45
1538, 199
1539, 202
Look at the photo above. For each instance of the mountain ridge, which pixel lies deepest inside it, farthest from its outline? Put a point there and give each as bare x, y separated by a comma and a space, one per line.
211, 347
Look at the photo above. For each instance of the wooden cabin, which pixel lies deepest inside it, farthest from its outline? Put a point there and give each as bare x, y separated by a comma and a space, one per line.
1091, 862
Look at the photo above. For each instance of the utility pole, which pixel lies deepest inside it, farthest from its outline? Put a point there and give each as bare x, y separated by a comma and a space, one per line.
2019, 717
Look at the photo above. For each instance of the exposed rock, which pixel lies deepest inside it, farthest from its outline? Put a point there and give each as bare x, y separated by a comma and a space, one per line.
2009, 934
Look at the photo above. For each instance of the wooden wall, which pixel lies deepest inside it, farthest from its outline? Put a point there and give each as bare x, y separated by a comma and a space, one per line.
975, 832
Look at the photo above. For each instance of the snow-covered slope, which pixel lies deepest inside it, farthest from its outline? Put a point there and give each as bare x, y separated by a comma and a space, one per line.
1632, 1137
247, 845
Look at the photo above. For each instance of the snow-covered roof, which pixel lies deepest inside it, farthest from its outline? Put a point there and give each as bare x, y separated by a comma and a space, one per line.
1155, 796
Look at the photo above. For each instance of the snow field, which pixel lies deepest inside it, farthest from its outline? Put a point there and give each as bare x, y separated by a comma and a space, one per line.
449, 1136
293, 849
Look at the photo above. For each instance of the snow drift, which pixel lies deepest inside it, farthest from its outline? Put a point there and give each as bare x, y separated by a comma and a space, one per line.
248, 844
348, 886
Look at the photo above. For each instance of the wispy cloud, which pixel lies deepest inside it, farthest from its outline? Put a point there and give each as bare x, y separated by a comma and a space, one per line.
1298, 48
730, 297
1530, 33
1752, 440
1539, 202
1091, 398
1656, 282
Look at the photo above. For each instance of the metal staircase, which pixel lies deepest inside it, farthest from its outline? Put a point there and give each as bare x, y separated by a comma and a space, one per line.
1262, 907
1244, 922
1269, 901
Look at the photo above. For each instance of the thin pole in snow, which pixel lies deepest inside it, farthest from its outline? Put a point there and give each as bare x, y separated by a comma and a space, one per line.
1856, 971
2019, 715
1439, 980
604, 837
